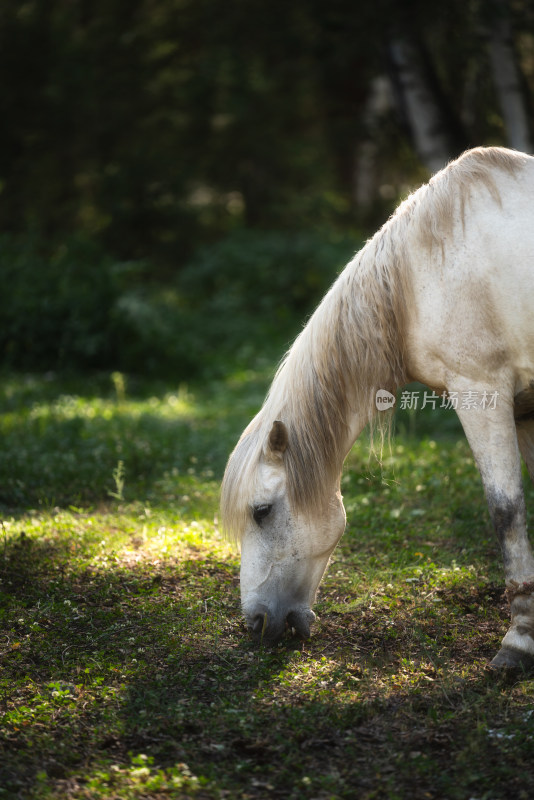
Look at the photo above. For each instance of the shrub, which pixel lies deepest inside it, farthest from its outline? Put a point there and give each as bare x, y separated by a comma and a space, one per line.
250, 292
78, 308
56, 307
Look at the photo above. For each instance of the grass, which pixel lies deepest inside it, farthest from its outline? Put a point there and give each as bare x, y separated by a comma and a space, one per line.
126, 671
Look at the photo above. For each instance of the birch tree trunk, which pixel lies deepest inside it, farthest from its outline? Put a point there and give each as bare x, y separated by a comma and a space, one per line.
419, 105
507, 81
379, 103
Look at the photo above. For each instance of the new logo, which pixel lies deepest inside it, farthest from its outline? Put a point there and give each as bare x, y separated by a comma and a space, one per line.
384, 400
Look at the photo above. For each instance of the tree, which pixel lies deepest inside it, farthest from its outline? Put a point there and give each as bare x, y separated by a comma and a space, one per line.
507, 78
156, 125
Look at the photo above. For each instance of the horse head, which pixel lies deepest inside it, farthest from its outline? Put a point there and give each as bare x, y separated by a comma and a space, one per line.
284, 552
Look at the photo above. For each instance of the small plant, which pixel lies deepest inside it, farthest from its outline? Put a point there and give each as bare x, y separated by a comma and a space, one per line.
119, 384
118, 477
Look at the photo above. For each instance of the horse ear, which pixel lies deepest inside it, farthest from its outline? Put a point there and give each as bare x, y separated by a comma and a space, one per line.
277, 441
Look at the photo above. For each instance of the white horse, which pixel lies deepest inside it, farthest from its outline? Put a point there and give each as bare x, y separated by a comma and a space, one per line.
442, 294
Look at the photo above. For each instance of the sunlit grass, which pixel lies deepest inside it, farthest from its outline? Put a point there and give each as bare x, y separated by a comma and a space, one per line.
127, 671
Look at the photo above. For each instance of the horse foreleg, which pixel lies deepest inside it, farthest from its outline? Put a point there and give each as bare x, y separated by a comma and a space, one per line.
494, 441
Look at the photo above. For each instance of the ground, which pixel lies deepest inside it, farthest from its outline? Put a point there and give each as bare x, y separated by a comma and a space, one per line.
126, 668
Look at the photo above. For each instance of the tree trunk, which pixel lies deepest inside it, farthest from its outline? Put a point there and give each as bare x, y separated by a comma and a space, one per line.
419, 106
507, 80
379, 103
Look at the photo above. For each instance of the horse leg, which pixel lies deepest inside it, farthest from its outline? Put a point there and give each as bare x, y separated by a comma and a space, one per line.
494, 441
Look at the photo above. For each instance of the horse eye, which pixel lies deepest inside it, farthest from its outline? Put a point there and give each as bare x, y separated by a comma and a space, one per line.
260, 512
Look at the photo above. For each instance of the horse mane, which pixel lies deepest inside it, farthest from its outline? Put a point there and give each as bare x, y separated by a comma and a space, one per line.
442, 202
353, 345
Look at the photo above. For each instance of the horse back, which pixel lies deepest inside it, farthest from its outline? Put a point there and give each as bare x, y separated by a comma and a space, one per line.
473, 296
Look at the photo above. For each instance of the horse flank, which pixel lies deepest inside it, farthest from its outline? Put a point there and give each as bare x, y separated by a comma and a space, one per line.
353, 345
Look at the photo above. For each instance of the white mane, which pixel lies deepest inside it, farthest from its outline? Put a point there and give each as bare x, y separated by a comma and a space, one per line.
353, 345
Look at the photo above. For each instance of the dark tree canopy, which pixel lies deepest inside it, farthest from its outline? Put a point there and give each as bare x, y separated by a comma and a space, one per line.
153, 123
157, 127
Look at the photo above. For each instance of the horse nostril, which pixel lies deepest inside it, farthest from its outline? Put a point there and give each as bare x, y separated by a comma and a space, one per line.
259, 623
301, 622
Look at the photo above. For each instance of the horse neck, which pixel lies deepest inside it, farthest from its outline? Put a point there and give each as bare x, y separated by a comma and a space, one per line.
351, 348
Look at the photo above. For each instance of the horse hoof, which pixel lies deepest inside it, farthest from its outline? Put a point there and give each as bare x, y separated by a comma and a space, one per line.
509, 659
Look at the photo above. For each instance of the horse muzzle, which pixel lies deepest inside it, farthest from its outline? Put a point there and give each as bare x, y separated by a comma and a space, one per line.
268, 626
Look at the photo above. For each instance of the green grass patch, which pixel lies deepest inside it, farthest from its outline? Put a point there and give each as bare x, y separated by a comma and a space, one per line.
126, 671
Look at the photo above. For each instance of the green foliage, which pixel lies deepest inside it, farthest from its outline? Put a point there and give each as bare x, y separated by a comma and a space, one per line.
76, 307
60, 307
55, 308
250, 292
161, 151
153, 128
149, 126
274, 274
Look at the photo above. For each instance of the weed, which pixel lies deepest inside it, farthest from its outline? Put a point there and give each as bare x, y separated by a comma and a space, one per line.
119, 384
118, 478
